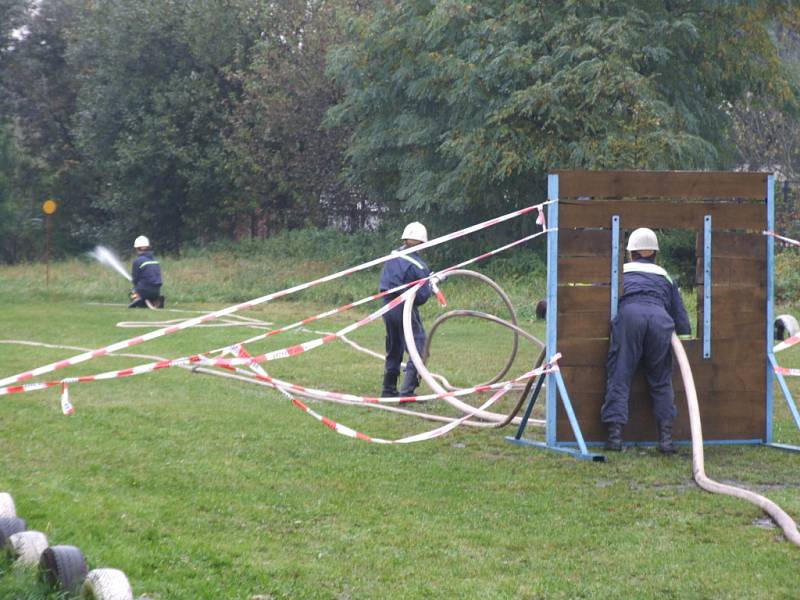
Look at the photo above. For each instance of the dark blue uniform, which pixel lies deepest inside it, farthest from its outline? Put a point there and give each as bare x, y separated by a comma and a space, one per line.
650, 309
397, 271
146, 276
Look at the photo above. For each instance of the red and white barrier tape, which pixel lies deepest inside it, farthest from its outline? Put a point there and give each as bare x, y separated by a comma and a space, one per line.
274, 355
787, 343
782, 238
66, 406
787, 371
318, 394
427, 435
207, 361
19, 377
439, 275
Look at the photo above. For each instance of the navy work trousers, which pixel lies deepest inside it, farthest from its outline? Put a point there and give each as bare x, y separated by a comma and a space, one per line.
641, 333
395, 342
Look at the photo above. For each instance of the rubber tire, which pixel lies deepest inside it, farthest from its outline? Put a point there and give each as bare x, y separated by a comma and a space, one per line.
106, 584
7, 508
63, 568
27, 546
789, 325
9, 526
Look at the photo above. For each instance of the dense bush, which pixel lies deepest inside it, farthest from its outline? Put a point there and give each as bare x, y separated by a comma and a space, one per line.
787, 277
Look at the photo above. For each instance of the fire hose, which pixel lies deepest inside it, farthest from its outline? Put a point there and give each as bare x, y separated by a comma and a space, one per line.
777, 514
497, 419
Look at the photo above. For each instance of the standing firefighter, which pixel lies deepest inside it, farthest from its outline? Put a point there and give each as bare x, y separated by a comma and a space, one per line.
650, 309
145, 276
397, 271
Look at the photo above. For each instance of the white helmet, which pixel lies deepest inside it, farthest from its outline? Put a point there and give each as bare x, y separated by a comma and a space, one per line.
415, 231
141, 242
642, 239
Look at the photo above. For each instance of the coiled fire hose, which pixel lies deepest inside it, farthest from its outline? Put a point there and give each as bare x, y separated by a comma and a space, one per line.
498, 420
777, 514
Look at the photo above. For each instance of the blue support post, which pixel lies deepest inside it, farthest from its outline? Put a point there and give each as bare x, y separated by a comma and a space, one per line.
773, 365
770, 301
573, 421
554, 380
772, 362
552, 302
614, 265
707, 286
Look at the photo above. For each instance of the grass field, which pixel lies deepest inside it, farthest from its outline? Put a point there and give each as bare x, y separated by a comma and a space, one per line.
203, 488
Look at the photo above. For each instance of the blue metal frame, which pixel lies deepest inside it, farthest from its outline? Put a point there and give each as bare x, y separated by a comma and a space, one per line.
552, 300
772, 362
614, 265
531, 401
707, 286
770, 302
752, 442
555, 382
583, 453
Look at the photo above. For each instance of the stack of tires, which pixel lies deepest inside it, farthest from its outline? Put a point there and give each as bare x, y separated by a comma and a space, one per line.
62, 568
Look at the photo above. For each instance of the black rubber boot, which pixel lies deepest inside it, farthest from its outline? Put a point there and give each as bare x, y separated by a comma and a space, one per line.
665, 445
410, 383
389, 385
614, 442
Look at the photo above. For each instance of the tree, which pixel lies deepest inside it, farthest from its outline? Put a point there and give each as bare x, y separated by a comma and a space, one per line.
766, 130
456, 104
153, 102
41, 91
289, 162
23, 182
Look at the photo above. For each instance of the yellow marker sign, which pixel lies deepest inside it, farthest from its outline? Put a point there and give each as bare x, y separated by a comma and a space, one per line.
49, 207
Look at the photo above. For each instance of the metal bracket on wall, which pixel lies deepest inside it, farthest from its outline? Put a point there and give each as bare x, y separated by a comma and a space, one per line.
707, 286
614, 265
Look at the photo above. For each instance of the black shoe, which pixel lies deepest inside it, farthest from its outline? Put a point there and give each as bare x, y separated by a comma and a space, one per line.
389, 385
614, 442
410, 383
665, 445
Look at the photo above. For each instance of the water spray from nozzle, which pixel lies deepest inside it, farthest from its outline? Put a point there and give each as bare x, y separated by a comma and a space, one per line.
106, 257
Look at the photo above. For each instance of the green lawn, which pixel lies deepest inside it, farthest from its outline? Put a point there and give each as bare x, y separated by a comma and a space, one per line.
203, 488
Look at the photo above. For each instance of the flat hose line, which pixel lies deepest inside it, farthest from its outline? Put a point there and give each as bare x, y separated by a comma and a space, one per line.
498, 420
784, 521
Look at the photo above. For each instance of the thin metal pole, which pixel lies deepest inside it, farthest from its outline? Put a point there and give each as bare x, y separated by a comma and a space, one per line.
535, 394
48, 228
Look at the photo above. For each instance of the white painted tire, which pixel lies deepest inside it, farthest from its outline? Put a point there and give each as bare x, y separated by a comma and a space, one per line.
106, 584
27, 546
788, 324
7, 508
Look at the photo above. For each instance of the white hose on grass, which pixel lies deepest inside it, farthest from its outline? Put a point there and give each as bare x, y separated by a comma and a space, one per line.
394, 409
497, 419
777, 514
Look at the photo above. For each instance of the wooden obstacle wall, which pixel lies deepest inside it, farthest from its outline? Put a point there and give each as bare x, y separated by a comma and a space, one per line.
731, 384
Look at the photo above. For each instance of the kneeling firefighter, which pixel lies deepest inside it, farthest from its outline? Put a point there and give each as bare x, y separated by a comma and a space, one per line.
397, 271
650, 309
145, 276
